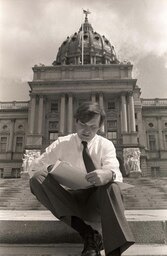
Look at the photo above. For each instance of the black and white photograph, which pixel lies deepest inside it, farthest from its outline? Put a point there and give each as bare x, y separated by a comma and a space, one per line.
83, 128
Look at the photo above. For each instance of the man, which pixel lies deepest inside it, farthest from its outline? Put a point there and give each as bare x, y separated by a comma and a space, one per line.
96, 157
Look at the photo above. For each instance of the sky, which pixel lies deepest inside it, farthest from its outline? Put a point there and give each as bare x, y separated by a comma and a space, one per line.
31, 31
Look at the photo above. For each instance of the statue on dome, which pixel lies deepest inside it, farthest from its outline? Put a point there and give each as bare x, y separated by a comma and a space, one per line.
86, 12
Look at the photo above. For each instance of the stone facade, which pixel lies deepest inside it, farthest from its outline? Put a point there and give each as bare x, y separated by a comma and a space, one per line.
132, 123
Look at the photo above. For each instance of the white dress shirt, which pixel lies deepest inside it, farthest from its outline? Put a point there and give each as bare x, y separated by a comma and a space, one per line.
69, 148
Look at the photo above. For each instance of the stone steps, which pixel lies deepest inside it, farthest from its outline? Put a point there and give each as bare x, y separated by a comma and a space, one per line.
38, 233
75, 249
17, 227
147, 193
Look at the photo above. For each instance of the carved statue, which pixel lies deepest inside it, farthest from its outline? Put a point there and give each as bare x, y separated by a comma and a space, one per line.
132, 161
29, 156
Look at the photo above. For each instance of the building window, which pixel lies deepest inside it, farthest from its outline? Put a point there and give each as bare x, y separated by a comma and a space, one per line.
111, 105
112, 135
1, 173
3, 144
5, 127
111, 124
53, 125
19, 144
53, 136
136, 128
111, 130
20, 126
152, 142
135, 115
155, 171
151, 125
54, 107
15, 173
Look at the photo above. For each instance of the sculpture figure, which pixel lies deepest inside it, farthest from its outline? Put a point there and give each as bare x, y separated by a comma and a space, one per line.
132, 161
28, 157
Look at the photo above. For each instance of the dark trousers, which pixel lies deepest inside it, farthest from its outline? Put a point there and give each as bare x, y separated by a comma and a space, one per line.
103, 202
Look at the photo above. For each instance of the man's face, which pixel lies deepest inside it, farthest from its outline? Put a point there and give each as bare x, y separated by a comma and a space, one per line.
86, 131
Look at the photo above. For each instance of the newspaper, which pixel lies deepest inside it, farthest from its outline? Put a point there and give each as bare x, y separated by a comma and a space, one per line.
73, 178
69, 176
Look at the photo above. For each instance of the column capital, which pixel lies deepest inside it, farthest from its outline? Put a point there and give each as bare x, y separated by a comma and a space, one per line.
130, 93
40, 95
101, 93
33, 95
70, 94
123, 94
62, 94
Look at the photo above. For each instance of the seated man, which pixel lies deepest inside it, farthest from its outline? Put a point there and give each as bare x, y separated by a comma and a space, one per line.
96, 156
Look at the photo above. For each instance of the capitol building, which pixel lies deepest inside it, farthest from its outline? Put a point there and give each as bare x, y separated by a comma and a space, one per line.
86, 68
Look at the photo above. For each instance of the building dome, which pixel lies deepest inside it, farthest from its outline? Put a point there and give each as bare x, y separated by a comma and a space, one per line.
94, 48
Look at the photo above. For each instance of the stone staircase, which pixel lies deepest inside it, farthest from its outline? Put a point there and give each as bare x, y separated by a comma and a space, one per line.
15, 194
147, 193
28, 229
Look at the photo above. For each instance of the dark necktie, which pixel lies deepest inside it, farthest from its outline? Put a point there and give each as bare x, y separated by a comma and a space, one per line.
87, 158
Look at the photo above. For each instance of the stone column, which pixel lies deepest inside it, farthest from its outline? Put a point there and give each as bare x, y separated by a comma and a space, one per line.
10, 147
160, 137
101, 100
91, 59
93, 98
124, 114
70, 113
101, 103
131, 112
62, 114
40, 114
32, 114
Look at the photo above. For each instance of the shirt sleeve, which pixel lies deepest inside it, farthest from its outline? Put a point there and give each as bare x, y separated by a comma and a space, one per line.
109, 159
49, 157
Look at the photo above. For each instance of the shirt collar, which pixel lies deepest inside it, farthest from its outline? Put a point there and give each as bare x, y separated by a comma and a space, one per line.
79, 144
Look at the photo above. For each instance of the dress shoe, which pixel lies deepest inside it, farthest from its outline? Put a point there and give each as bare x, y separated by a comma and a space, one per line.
92, 244
115, 253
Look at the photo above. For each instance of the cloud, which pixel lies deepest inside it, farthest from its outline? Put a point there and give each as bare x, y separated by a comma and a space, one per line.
13, 89
152, 76
32, 32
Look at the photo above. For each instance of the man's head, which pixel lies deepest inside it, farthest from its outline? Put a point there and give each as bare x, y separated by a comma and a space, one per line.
89, 118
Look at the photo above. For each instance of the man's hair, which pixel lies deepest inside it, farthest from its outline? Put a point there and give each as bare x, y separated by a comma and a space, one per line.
88, 110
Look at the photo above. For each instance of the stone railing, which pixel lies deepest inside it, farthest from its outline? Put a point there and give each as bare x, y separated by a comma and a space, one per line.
154, 102
14, 105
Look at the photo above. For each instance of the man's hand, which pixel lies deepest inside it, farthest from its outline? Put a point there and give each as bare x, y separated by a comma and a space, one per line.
49, 168
99, 177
